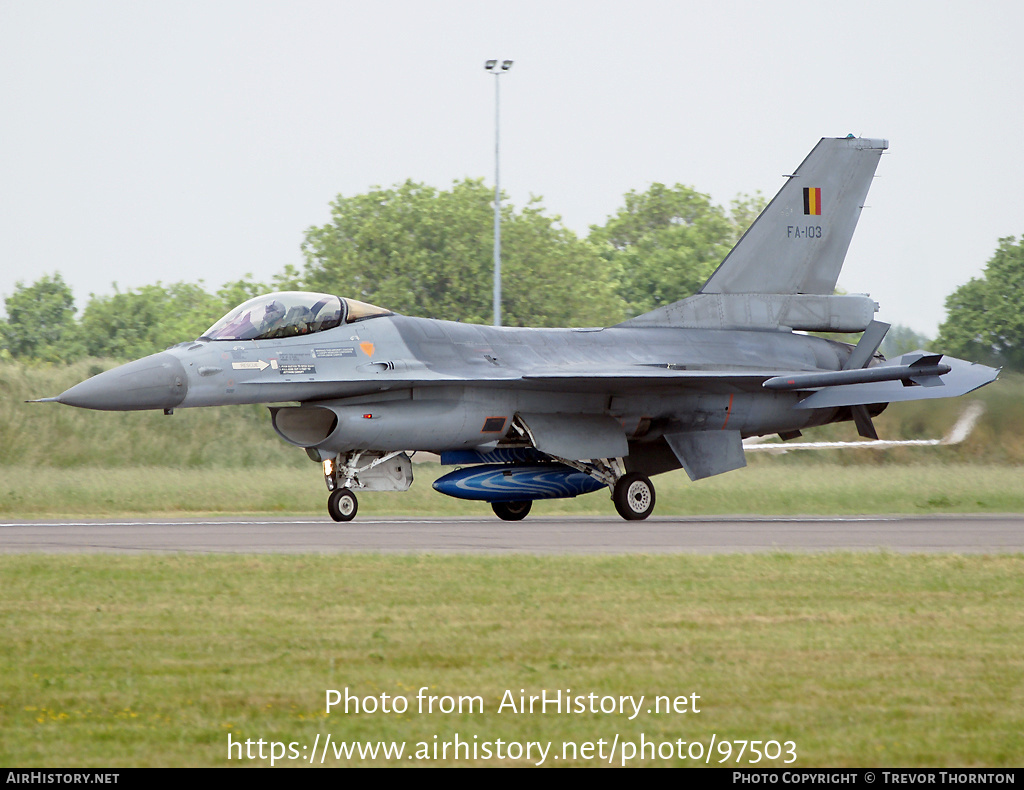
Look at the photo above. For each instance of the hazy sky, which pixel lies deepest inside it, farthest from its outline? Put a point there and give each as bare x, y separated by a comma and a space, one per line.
178, 140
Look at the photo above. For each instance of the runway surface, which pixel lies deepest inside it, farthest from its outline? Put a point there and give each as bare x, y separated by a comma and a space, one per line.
967, 534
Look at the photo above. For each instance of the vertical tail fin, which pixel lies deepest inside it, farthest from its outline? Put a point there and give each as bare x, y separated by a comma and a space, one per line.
783, 271
798, 243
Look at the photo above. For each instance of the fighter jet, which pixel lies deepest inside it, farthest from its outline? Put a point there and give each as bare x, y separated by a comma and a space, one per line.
527, 414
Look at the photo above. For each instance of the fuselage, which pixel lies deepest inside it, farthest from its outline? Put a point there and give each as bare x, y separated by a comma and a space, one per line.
474, 373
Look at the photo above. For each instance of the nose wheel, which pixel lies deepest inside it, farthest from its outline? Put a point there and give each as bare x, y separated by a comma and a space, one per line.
342, 505
634, 496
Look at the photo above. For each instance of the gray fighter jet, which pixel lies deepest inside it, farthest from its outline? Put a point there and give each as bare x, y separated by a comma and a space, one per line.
530, 414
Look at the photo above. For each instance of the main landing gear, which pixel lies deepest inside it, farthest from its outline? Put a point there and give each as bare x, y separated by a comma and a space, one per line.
512, 511
633, 496
632, 492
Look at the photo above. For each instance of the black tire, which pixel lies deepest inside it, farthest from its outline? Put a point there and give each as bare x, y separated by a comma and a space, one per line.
512, 511
342, 505
634, 497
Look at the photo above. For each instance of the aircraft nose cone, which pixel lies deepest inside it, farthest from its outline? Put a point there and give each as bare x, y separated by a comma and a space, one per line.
155, 382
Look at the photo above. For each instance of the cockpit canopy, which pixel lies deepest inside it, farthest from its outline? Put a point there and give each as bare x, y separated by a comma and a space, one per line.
289, 314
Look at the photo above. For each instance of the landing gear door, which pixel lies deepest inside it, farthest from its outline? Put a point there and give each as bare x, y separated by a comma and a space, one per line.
394, 474
576, 436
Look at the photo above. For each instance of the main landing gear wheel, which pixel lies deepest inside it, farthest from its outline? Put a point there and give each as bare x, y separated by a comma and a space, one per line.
634, 497
342, 505
512, 511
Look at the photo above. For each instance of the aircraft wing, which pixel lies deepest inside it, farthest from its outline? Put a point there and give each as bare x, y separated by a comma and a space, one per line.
919, 375
583, 377
590, 378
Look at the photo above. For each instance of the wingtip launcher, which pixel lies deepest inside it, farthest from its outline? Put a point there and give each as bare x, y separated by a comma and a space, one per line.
924, 372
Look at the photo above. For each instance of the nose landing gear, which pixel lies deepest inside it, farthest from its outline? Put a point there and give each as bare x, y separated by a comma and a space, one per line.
363, 469
342, 505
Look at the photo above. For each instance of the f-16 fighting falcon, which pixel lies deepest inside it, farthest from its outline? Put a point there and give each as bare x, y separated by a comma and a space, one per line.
527, 414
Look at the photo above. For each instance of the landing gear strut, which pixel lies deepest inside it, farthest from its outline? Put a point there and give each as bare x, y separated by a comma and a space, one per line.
365, 470
633, 496
632, 493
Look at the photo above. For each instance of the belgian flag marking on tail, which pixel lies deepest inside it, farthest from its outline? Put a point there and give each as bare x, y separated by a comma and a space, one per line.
812, 200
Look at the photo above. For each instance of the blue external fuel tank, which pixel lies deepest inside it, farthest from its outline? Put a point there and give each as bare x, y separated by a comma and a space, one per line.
516, 482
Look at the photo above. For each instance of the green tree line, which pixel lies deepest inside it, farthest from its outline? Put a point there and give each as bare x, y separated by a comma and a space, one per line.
421, 251
985, 316
425, 251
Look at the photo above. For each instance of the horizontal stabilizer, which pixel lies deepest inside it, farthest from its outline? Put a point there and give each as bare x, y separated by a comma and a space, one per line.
962, 377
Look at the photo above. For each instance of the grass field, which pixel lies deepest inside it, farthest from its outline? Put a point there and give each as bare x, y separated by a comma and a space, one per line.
770, 486
857, 659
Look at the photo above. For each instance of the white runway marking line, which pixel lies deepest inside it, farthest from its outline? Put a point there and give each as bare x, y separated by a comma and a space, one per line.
228, 523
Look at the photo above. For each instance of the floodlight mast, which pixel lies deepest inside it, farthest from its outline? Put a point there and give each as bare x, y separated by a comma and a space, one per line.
491, 66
